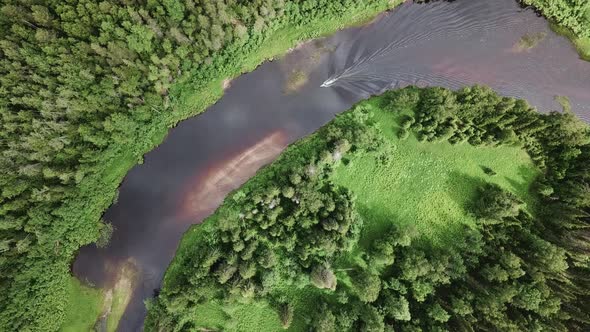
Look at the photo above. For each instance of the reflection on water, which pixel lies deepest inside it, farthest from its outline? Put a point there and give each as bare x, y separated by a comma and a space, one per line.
205, 157
207, 191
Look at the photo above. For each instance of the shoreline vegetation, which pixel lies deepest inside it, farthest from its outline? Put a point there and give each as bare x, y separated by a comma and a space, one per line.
569, 18
529, 41
274, 45
88, 89
582, 44
112, 81
100, 309
420, 209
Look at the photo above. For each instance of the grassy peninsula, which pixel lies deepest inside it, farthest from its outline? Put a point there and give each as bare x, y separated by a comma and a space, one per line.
418, 210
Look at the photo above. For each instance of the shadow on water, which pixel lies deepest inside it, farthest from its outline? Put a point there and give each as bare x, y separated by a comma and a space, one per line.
441, 43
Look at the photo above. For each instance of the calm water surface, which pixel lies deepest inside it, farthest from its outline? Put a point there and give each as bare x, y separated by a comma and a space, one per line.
439, 44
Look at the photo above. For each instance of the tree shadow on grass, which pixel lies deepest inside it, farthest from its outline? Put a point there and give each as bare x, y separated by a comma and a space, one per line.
521, 186
376, 224
463, 188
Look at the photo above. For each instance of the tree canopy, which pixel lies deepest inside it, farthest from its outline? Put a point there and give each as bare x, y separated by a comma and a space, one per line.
87, 88
572, 14
516, 269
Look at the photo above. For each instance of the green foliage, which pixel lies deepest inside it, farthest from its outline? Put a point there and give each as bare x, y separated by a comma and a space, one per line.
517, 267
105, 233
438, 314
366, 285
87, 88
403, 133
573, 14
494, 203
570, 18
323, 277
286, 315
324, 321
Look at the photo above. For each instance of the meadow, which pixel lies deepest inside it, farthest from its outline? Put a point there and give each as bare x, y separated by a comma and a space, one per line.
427, 187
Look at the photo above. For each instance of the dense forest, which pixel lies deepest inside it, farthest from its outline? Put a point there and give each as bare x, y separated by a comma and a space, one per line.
291, 230
572, 14
87, 87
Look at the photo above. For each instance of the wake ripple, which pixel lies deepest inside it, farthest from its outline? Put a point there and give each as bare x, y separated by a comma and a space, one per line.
460, 43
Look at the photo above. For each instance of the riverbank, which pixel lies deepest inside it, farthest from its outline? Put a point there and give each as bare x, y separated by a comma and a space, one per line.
100, 309
582, 45
97, 192
568, 18
409, 211
409, 167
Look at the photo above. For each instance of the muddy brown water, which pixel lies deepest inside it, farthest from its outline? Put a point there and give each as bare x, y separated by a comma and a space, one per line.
438, 44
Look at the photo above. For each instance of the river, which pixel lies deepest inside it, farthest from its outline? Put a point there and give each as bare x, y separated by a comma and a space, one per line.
449, 44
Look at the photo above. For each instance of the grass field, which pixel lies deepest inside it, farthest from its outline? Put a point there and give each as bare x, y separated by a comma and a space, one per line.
428, 185
424, 185
84, 307
257, 315
90, 307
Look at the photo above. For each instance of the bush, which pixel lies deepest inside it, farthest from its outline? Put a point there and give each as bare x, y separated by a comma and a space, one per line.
286, 315
323, 277
403, 134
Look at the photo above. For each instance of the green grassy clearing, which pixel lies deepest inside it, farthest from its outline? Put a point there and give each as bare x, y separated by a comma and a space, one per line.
84, 307
257, 315
427, 185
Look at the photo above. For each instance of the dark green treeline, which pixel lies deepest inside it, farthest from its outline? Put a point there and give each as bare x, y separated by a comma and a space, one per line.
516, 270
85, 85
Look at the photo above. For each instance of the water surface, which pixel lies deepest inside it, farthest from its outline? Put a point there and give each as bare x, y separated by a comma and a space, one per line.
205, 157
